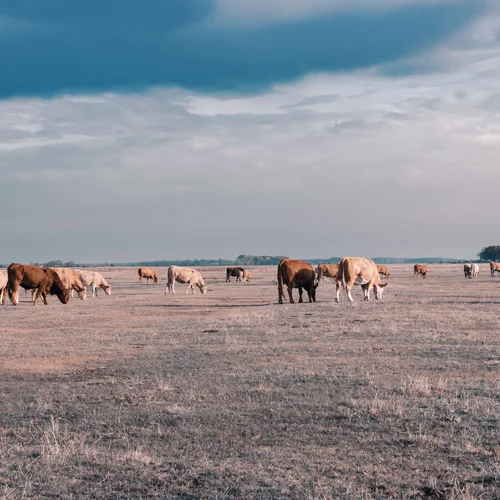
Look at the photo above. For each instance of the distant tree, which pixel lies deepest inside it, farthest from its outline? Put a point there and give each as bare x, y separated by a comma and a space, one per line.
53, 263
490, 253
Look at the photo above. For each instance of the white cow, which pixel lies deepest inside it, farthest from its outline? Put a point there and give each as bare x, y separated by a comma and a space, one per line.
95, 280
185, 275
3, 285
474, 271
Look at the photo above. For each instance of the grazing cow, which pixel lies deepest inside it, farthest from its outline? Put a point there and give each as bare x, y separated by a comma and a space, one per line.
3, 285
383, 271
420, 269
234, 271
185, 275
296, 274
359, 271
467, 270
247, 276
43, 280
71, 281
328, 271
94, 280
494, 266
474, 271
148, 273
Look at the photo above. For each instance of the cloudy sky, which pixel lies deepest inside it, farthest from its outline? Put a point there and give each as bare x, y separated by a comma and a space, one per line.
153, 129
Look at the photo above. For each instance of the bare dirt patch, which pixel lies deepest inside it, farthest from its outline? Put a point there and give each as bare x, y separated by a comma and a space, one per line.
143, 394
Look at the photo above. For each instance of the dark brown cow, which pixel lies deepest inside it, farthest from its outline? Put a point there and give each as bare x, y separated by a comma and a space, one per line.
234, 271
420, 269
148, 273
359, 271
328, 271
383, 271
296, 274
43, 280
467, 271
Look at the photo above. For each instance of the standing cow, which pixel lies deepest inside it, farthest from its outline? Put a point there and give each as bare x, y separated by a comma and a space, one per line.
44, 280
420, 269
148, 273
296, 274
494, 266
359, 271
467, 271
383, 271
94, 280
328, 271
3, 286
185, 275
237, 272
474, 271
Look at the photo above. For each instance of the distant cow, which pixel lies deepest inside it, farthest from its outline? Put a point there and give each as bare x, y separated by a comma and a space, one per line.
94, 280
296, 274
494, 266
383, 271
185, 275
328, 271
247, 276
148, 273
420, 269
234, 271
359, 271
43, 280
71, 281
3, 285
467, 270
474, 271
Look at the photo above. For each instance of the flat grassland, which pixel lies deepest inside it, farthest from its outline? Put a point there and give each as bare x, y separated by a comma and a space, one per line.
141, 394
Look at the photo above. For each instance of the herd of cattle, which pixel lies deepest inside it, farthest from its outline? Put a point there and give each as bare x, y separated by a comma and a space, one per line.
299, 274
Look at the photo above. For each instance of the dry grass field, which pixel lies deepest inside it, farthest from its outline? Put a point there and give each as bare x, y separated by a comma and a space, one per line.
227, 395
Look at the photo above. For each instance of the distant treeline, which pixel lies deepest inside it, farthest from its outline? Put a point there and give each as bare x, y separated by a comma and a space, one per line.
485, 255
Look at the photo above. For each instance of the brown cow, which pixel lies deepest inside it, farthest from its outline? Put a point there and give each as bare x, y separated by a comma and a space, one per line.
420, 269
148, 273
185, 275
3, 285
43, 280
234, 271
467, 271
296, 274
494, 266
328, 271
383, 271
359, 271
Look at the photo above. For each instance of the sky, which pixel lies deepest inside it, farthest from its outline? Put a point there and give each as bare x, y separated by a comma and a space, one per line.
160, 129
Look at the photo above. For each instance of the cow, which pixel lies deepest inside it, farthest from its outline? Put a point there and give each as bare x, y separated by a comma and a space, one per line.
185, 275
383, 271
247, 276
328, 271
234, 271
474, 272
94, 280
148, 273
359, 271
467, 271
4, 278
43, 280
71, 281
420, 269
494, 266
296, 274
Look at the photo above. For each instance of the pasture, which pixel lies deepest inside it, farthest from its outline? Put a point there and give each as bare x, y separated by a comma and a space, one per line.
226, 395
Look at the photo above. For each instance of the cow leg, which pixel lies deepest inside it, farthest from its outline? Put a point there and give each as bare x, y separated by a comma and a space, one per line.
280, 294
36, 295
300, 294
338, 287
348, 290
290, 294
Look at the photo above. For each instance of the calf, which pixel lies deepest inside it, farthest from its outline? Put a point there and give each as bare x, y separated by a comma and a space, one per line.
94, 280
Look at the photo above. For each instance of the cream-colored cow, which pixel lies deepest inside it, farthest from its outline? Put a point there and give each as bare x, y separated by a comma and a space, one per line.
185, 275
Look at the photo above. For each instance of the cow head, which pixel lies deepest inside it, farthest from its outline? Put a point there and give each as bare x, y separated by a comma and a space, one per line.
379, 290
155, 279
202, 287
82, 293
107, 289
63, 295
